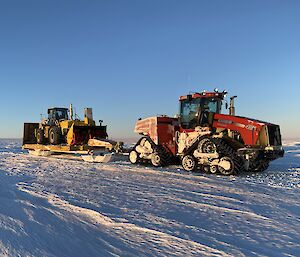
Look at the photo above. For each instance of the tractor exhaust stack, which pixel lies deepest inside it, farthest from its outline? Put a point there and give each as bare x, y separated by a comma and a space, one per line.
71, 112
231, 106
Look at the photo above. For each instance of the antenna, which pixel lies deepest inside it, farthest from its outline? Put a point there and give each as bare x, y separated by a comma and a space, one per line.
189, 81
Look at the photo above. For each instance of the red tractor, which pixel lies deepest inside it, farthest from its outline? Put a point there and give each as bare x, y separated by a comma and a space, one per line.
203, 138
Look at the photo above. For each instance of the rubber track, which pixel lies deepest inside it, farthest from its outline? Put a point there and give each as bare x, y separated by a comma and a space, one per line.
224, 149
258, 166
165, 157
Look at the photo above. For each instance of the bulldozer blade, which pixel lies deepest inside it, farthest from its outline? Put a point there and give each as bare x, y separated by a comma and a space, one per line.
82, 134
102, 143
29, 133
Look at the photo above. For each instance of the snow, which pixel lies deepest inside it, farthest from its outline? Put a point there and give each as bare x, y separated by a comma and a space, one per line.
57, 207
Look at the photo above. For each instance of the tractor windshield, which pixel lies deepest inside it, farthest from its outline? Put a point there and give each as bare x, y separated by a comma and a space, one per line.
58, 114
191, 109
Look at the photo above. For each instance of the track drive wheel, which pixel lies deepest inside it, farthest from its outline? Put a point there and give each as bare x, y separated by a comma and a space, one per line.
188, 163
40, 138
134, 157
206, 145
54, 136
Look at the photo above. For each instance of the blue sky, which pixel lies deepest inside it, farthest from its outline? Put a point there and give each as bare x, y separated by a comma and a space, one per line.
131, 59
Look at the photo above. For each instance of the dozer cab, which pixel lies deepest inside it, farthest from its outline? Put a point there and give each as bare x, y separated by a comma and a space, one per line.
61, 128
203, 138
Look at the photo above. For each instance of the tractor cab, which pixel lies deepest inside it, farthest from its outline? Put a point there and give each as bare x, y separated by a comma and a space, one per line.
58, 114
197, 109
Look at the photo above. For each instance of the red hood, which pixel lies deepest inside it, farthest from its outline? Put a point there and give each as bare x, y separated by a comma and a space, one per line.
248, 128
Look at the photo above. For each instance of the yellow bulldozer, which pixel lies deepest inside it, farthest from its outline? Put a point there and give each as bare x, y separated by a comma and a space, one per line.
62, 134
62, 128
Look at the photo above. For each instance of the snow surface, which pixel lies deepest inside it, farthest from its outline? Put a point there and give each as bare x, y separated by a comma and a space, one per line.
57, 207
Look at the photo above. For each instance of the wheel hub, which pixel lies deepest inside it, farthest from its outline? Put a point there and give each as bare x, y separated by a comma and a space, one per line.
156, 160
189, 163
213, 169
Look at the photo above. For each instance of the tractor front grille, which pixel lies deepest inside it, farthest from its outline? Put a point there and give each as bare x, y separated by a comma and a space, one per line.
274, 135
